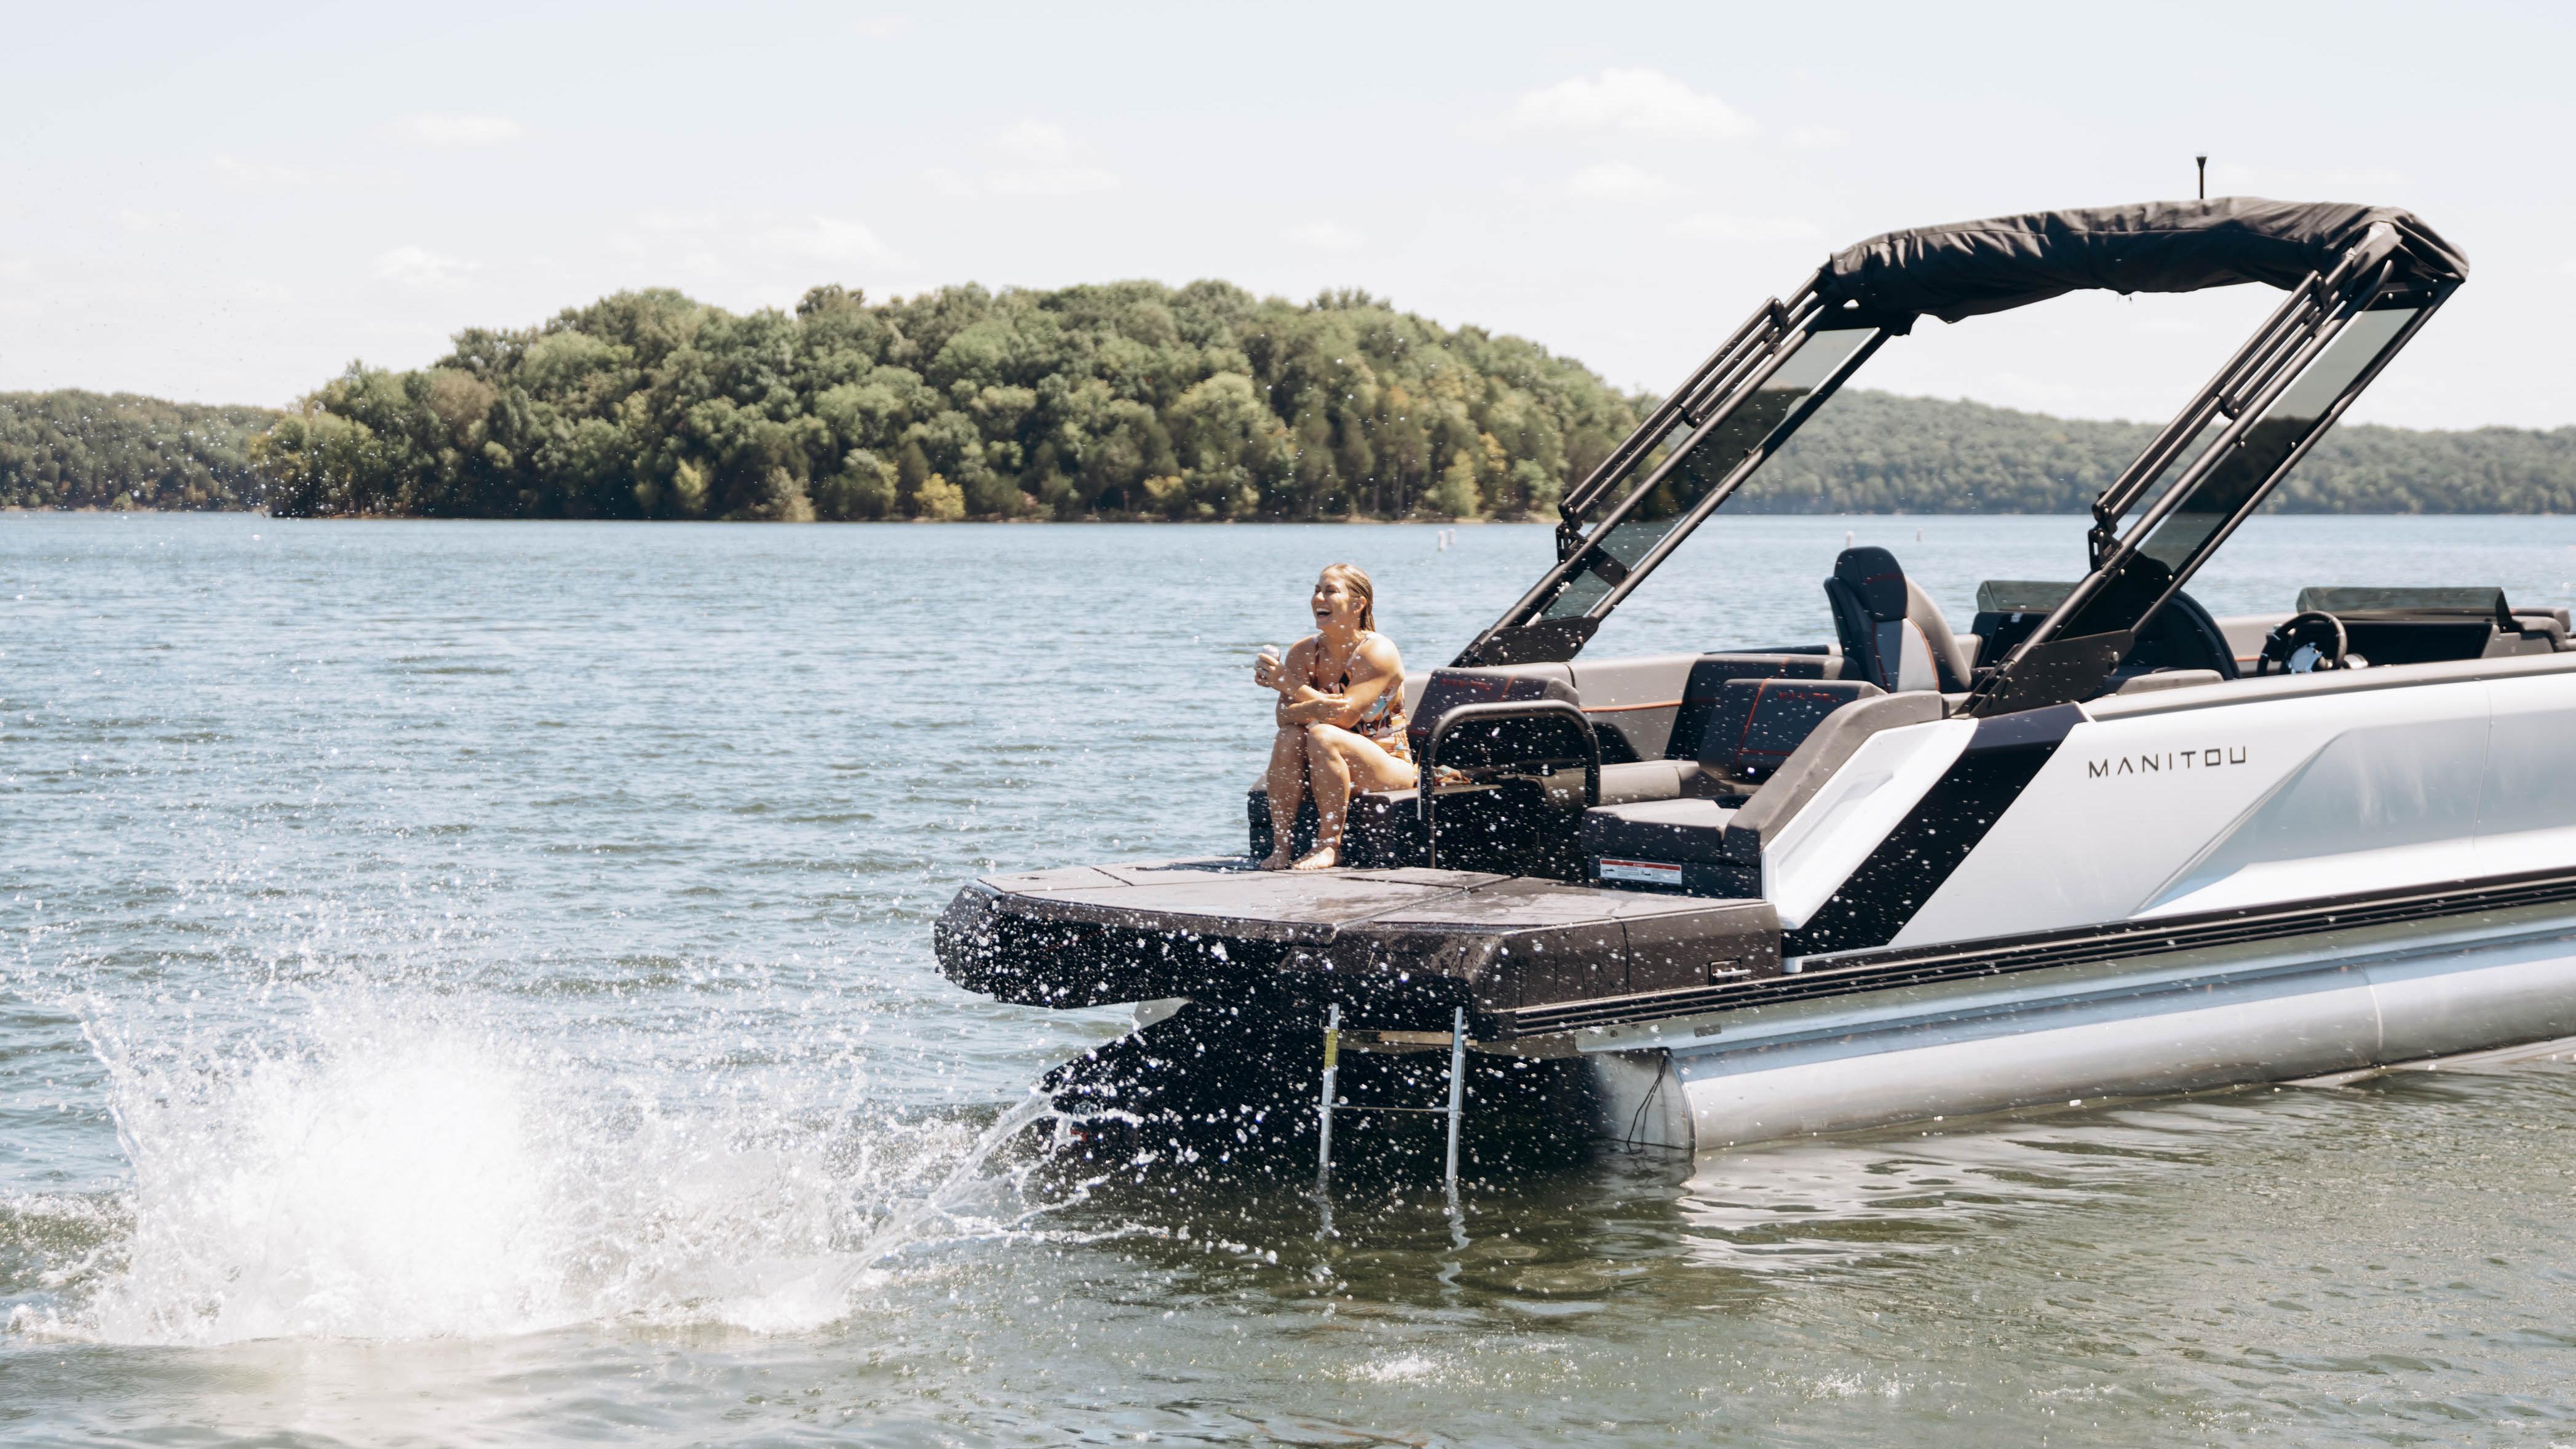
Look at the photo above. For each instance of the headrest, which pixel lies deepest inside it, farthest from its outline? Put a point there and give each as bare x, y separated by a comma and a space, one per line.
1872, 574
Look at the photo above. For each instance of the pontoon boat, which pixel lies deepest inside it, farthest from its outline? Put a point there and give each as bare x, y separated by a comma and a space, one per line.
2099, 843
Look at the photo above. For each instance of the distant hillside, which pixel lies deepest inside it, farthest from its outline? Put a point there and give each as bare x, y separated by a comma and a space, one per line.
116, 450
1131, 400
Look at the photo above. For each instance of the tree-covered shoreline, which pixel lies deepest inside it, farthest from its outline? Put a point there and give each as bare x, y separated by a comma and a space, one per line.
1130, 400
1200, 402
77, 449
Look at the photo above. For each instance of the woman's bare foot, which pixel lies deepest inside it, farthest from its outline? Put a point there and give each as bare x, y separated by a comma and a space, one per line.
1325, 857
1275, 860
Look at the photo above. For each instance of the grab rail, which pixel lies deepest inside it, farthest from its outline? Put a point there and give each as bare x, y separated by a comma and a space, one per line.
1499, 709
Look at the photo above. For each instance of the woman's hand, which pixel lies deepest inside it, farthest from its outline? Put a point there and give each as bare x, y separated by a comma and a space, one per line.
1266, 670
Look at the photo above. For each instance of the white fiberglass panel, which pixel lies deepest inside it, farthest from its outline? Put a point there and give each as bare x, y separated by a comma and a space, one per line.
2527, 798
1868, 797
2128, 814
2380, 806
2343, 873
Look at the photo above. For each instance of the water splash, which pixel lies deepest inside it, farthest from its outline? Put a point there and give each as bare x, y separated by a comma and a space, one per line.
404, 1172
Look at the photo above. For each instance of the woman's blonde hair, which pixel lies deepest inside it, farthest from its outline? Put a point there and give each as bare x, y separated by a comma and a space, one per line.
1353, 578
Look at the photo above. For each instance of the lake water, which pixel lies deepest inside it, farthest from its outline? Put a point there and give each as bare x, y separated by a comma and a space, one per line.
470, 984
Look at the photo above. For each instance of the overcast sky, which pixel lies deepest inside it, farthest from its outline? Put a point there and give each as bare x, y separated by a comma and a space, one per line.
230, 202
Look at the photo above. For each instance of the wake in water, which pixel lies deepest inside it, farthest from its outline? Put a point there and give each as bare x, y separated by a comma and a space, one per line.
403, 1171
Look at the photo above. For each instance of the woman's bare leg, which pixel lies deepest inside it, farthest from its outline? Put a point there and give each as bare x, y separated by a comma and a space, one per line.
1339, 761
1286, 784
1328, 775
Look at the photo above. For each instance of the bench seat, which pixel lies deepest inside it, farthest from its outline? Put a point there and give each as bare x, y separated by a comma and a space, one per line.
1681, 842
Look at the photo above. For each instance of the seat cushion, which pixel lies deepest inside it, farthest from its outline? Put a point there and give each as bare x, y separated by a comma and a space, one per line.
1647, 780
1891, 630
1759, 723
1711, 674
1658, 830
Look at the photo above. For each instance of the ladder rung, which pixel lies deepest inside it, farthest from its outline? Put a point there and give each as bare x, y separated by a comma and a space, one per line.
1348, 1107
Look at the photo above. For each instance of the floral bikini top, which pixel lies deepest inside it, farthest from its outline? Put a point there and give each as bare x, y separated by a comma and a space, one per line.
1384, 720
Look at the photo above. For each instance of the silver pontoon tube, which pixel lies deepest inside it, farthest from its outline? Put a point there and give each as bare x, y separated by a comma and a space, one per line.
2331, 1003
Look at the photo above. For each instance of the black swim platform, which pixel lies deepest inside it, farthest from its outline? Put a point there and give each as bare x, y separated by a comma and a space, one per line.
1397, 944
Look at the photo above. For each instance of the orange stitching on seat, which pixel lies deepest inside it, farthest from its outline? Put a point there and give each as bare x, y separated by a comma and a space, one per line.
1751, 715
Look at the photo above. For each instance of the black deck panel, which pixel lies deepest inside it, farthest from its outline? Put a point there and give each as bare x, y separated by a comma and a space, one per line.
1522, 902
1225, 897
1062, 878
1397, 943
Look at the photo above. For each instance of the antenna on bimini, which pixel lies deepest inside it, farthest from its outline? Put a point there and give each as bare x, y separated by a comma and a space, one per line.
2203, 163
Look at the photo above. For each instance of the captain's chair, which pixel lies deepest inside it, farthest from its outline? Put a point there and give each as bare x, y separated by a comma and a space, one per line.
1892, 634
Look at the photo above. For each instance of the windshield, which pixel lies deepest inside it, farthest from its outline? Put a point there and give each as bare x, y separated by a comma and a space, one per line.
1642, 522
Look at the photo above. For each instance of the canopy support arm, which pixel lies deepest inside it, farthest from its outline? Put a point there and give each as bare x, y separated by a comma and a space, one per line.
1735, 477
2333, 414
1713, 396
1771, 319
2085, 636
2254, 364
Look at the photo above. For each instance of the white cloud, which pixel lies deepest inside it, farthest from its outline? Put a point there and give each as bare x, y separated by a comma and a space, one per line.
16, 269
1818, 138
681, 222
2568, 267
460, 130
420, 267
245, 172
1054, 181
133, 220
1326, 236
832, 239
881, 27
1041, 159
1621, 179
1747, 228
1040, 143
1630, 102
1032, 158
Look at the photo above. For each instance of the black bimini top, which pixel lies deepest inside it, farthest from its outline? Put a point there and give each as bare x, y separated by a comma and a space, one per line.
1968, 268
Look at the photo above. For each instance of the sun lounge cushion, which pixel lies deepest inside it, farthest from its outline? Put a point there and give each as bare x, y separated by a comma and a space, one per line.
1660, 830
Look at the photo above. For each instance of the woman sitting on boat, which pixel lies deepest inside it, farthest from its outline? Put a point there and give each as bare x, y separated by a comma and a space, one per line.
1340, 716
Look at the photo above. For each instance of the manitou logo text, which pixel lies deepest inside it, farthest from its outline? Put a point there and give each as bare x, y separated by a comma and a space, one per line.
2172, 762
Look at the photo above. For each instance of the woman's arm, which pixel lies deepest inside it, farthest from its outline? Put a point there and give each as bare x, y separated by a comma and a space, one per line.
1377, 669
1289, 680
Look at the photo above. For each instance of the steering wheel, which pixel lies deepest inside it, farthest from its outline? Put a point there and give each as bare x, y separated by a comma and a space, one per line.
2305, 643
